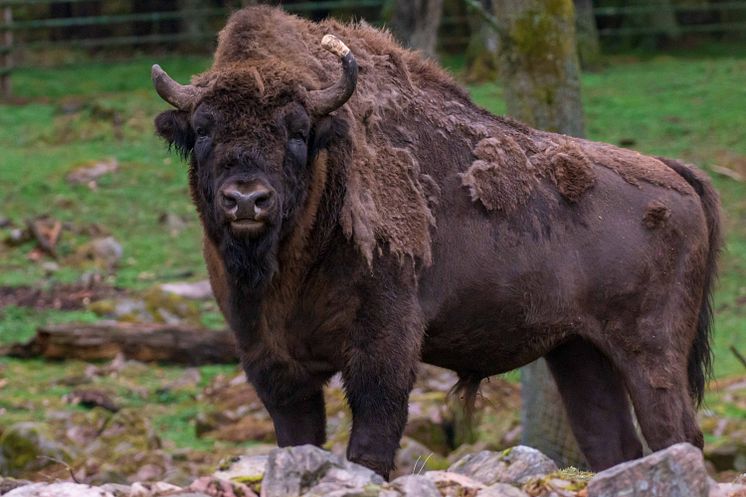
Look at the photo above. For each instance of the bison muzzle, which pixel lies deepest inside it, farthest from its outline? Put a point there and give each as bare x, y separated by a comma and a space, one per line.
361, 214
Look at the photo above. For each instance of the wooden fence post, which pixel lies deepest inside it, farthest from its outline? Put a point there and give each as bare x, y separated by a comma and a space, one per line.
7, 52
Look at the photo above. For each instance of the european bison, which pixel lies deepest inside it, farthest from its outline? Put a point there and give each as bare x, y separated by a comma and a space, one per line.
361, 220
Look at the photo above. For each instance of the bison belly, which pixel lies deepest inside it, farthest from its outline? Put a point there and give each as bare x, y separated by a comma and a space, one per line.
505, 288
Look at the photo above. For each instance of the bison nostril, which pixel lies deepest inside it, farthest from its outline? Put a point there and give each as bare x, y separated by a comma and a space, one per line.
262, 200
230, 200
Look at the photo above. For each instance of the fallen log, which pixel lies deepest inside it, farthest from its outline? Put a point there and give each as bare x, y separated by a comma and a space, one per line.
141, 342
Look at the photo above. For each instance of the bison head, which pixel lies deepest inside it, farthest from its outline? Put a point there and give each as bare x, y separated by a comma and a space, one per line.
250, 139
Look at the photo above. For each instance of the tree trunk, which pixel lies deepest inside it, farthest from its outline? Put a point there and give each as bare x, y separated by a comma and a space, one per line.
140, 342
415, 24
539, 64
543, 419
540, 73
589, 47
481, 53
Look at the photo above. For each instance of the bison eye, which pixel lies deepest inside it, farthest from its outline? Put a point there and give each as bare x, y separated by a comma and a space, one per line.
201, 131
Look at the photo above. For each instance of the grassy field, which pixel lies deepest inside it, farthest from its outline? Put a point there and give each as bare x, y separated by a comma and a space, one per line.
685, 106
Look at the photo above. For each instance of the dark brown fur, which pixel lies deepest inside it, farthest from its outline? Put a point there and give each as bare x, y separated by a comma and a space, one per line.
415, 225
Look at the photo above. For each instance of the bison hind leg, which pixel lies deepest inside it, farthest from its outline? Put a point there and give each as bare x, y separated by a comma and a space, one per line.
596, 404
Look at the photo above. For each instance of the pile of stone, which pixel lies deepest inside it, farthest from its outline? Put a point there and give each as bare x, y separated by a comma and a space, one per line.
308, 471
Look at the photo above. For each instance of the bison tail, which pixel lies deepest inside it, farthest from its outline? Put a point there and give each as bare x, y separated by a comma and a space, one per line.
700, 357
467, 391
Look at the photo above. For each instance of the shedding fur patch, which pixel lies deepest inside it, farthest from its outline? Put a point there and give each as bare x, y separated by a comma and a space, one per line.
502, 177
634, 167
386, 201
656, 215
568, 166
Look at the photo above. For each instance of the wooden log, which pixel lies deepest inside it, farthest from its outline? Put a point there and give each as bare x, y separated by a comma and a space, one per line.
141, 342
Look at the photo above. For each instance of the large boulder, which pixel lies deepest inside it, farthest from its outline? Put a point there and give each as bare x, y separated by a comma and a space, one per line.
310, 471
515, 466
678, 471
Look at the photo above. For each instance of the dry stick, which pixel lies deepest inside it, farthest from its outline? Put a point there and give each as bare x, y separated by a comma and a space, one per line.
738, 355
491, 19
59, 461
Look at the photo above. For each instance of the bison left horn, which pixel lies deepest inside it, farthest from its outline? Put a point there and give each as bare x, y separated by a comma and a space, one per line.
322, 102
180, 96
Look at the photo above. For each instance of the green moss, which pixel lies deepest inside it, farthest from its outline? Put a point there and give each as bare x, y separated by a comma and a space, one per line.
29, 446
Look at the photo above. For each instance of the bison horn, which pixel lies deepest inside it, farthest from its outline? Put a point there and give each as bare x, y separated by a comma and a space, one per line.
329, 99
180, 96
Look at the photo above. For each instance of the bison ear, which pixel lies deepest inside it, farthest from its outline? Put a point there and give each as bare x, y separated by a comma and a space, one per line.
173, 126
326, 131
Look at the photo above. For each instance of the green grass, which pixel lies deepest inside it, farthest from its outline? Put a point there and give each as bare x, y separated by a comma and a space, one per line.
685, 106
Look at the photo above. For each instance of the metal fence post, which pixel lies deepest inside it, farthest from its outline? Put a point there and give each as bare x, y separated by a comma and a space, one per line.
7, 53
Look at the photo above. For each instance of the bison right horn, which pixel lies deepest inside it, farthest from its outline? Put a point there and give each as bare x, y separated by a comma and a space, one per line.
180, 96
322, 102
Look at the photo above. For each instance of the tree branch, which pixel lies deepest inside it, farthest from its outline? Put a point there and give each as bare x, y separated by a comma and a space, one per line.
491, 20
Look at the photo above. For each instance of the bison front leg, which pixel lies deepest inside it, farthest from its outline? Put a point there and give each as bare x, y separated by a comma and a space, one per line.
381, 363
295, 404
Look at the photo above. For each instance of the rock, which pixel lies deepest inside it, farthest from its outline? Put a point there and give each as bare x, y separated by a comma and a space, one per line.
215, 487
103, 253
8, 484
92, 397
152, 306
727, 490
677, 471
416, 486
58, 490
199, 290
17, 236
174, 223
295, 471
244, 469
28, 446
501, 490
514, 466
87, 174
453, 484
139, 489
116, 489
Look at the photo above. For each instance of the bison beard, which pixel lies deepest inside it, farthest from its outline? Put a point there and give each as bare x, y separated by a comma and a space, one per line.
420, 227
251, 261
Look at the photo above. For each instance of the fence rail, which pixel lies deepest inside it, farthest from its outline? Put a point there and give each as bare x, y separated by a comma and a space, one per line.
194, 25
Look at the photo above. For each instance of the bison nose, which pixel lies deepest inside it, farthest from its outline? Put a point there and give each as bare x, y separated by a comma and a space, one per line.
246, 203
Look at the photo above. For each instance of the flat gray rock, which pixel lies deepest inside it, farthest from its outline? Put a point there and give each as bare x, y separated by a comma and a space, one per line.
678, 471
514, 466
415, 486
58, 490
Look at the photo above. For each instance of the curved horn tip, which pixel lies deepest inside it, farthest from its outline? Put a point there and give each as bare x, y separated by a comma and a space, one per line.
156, 71
334, 45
